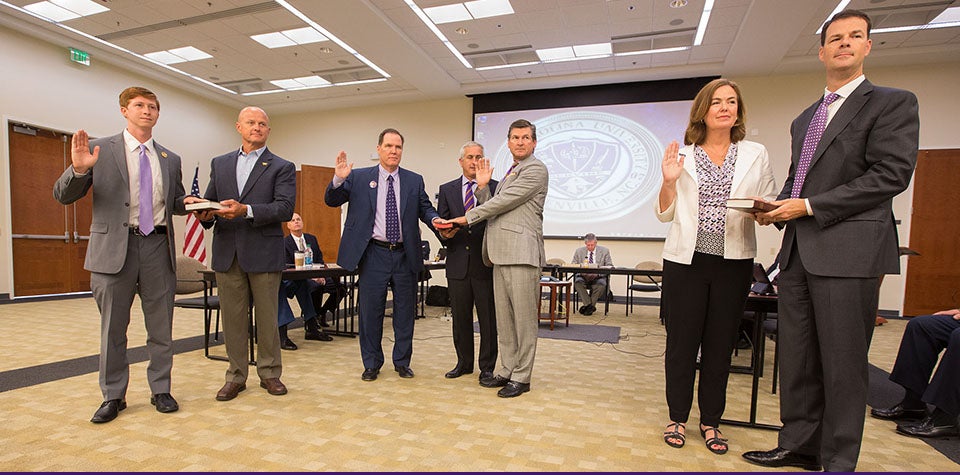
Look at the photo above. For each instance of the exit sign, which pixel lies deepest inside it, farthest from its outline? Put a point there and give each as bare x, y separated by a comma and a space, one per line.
78, 56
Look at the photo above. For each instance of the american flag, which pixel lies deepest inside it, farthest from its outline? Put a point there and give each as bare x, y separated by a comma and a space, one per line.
193, 240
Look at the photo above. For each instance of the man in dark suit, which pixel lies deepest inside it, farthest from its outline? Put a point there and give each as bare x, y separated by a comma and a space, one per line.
853, 151
381, 240
924, 339
130, 254
308, 292
469, 279
513, 245
257, 190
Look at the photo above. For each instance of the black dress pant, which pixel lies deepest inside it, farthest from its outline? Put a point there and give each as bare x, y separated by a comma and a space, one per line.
703, 305
923, 340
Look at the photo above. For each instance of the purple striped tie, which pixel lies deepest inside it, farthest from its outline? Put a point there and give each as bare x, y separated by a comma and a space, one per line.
814, 132
146, 192
393, 220
468, 200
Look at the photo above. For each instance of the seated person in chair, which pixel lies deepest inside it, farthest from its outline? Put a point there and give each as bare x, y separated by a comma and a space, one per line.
591, 287
308, 292
923, 340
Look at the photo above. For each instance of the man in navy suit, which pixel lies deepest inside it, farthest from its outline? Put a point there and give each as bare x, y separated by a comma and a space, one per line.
852, 152
470, 280
306, 290
257, 190
381, 240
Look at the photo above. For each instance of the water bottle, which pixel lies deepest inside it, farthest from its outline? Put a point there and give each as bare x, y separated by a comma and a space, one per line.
308, 257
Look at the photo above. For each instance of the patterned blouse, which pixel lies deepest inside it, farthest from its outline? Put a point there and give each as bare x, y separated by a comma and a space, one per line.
714, 189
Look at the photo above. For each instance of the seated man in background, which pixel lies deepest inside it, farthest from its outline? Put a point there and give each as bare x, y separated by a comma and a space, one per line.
304, 290
923, 340
591, 287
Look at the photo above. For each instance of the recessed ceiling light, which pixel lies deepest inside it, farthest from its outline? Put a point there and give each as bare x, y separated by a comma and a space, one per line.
678, 3
676, 22
461, 30
326, 50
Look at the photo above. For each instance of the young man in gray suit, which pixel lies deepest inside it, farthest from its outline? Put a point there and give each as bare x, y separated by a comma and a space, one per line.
513, 244
257, 190
591, 287
137, 189
853, 151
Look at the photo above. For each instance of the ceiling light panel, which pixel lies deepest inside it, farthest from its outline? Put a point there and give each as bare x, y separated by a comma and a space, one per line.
165, 57
305, 35
598, 49
81, 7
489, 8
556, 54
448, 13
51, 11
273, 40
190, 53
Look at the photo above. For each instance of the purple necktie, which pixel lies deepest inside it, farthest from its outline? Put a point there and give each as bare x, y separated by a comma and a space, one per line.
393, 221
146, 192
468, 201
590, 261
814, 132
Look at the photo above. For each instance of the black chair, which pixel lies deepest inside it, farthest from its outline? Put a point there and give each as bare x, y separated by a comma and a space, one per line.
189, 281
644, 283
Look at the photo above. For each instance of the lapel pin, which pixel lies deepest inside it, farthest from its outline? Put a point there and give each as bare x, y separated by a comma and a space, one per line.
373, 184
263, 163
163, 154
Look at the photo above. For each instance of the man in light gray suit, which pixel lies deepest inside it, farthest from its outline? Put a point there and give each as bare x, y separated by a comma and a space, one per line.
137, 189
591, 287
513, 244
853, 151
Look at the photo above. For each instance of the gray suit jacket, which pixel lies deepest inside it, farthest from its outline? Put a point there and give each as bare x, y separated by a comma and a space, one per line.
110, 227
271, 191
866, 157
601, 257
514, 216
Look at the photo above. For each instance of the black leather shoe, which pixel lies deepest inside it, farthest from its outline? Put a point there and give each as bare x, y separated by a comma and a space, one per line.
369, 374
287, 344
928, 428
583, 309
323, 320
898, 412
513, 389
486, 375
317, 336
164, 402
496, 381
108, 411
781, 457
405, 371
457, 372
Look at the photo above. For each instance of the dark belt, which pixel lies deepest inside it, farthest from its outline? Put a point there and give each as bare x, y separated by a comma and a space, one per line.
156, 230
397, 246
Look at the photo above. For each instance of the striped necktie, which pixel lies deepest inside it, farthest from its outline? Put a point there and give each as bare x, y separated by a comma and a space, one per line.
393, 220
468, 201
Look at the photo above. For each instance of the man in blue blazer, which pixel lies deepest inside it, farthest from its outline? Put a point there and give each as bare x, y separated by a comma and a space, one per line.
839, 239
257, 190
469, 279
381, 241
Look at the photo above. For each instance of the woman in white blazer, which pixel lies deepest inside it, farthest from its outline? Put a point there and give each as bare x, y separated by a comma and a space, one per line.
708, 254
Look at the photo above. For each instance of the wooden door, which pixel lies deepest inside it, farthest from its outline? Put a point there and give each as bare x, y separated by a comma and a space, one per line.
318, 219
49, 239
933, 277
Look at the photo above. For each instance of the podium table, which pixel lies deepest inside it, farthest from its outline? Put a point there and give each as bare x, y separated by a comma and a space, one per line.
553, 313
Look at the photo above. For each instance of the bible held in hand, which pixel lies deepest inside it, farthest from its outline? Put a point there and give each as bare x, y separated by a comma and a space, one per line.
203, 205
750, 205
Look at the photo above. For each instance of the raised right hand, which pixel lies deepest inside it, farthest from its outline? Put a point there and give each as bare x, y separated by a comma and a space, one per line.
80, 155
343, 169
484, 172
672, 164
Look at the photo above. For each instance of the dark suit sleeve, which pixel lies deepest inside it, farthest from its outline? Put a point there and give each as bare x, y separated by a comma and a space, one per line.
443, 209
284, 196
891, 154
334, 197
178, 207
427, 211
211, 193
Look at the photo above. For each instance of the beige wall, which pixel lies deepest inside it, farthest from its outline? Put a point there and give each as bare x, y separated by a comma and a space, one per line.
41, 87
45, 95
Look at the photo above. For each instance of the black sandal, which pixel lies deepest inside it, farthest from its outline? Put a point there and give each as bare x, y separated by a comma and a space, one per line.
675, 434
717, 440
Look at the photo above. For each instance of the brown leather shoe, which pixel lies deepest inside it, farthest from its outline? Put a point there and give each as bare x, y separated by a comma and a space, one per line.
273, 386
230, 391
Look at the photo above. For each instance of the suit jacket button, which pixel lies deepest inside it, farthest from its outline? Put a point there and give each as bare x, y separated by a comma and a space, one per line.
127, 205
467, 248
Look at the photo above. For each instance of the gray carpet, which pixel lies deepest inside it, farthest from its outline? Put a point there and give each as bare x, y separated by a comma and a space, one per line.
589, 333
